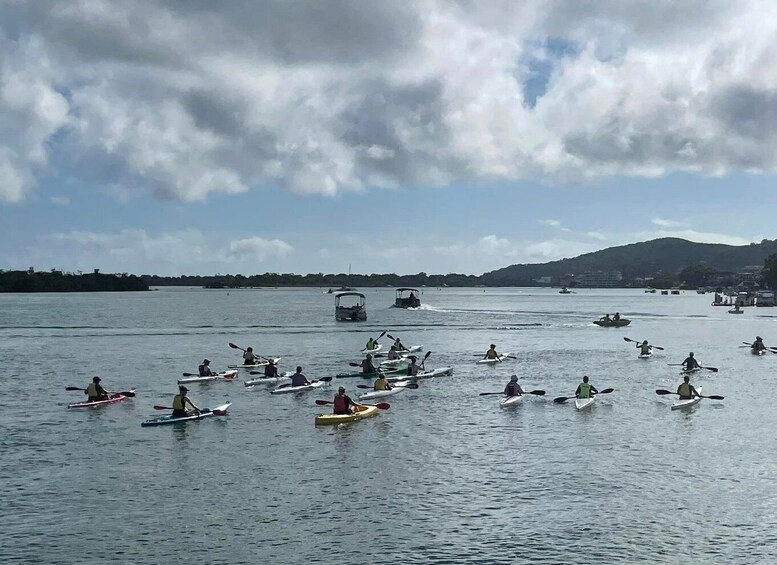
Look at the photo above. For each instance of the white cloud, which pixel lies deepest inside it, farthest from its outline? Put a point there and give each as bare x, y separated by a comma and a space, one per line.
667, 223
555, 224
333, 97
257, 249
596, 235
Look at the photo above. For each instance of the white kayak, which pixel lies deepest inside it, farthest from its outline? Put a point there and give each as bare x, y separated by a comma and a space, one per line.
270, 380
382, 393
694, 370
511, 400
264, 363
688, 403
224, 376
439, 372
395, 363
583, 403
646, 355
303, 388
372, 351
502, 357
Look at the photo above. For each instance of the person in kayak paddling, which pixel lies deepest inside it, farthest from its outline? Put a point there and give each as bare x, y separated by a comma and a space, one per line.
371, 344
249, 358
513, 388
686, 390
95, 392
412, 369
585, 389
758, 345
298, 379
381, 383
644, 348
342, 402
690, 363
270, 370
491, 353
392, 354
399, 346
180, 401
367, 366
205, 369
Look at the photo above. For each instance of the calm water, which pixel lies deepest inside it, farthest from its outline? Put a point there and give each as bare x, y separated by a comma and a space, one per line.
444, 476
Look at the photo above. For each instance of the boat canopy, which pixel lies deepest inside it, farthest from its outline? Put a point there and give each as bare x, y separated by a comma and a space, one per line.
406, 289
341, 294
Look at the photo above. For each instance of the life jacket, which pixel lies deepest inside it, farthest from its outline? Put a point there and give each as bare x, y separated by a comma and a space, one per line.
340, 405
91, 391
204, 370
370, 345
178, 402
491, 354
510, 390
645, 349
684, 390
380, 384
270, 371
585, 390
248, 358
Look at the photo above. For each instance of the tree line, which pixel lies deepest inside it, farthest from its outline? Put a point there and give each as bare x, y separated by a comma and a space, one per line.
58, 281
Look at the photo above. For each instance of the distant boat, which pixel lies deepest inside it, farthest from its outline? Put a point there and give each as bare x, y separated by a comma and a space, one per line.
565, 290
650, 290
665, 292
354, 313
409, 301
675, 290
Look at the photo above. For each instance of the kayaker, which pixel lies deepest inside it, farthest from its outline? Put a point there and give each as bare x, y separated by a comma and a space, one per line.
399, 346
686, 390
298, 379
758, 345
690, 363
95, 392
271, 369
371, 344
392, 354
205, 369
644, 348
180, 401
491, 353
513, 388
367, 366
381, 383
342, 402
585, 389
617, 316
249, 358
412, 369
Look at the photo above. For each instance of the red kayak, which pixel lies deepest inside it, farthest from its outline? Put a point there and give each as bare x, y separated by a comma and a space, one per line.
117, 397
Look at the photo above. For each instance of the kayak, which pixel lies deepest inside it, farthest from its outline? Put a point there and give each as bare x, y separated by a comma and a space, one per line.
362, 411
502, 357
262, 364
612, 323
688, 403
439, 372
759, 353
112, 400
511, 400
686, 372
269, 380
225, 376
583, 403
382, 393
373, 351
303, 388
645, 355
394, 363
205, 413
359, 374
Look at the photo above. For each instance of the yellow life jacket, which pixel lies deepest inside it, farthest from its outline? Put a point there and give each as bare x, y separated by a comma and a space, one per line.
491, 354
380, 384
91, 390
684, 389
585, 390
178, 402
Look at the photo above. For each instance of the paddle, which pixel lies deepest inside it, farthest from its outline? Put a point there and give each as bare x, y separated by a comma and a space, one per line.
537, 392
198, 375
561, 399
204, 411
233, 346
638, 342
662, 392
713, 369
408, 385
380, 336
324, 379
388, 335
769, 349
127, 393
381, 405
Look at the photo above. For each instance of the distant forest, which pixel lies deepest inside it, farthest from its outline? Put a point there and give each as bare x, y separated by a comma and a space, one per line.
58, 281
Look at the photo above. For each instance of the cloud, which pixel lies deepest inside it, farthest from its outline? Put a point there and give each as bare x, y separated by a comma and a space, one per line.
596, 235
60, 200
555, 224
352, 95
667, 223
257, 249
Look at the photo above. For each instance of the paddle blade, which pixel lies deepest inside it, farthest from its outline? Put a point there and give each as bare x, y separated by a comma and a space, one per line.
381, 335
428, 353
363, 386
715, 397
74, 388
233, 346
606, 391
561, 399
255, 373
713, 369
627, 339
383, 405
537, 392
662, 392
219, 412
489, 393
657, 347
353, 364
390, 336
325, 379
410, 385
127, 393
323, 402
157, 407
189, 375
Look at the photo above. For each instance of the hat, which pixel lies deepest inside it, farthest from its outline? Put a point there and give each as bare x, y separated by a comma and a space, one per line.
341, 389
96, 380
514, 378
183, 388
205, 361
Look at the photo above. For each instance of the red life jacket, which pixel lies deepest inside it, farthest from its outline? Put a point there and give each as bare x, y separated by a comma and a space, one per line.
340, 405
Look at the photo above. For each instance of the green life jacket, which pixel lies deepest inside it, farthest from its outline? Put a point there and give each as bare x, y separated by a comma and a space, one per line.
178, 402
685, 390
91, 390
585, 390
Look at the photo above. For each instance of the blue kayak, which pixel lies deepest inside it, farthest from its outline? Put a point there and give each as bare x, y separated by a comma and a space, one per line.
204, 413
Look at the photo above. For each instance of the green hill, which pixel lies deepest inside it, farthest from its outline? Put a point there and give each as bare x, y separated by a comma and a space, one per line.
648, 258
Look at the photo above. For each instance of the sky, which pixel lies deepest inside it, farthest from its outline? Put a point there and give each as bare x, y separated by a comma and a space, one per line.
200, 137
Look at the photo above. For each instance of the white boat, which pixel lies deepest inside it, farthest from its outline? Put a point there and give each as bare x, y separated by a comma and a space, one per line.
303, 388
583, 403
382, 393
511, 400
407, 298
354, 313
269, 380
688, 403
502, 357
438, 372
224, 376
372, 351
646, 355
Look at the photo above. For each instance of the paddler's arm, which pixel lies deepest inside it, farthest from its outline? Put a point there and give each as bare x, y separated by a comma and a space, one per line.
593, 389
577, 392
187, 399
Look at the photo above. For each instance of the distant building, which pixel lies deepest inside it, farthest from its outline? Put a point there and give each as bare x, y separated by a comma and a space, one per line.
599, 279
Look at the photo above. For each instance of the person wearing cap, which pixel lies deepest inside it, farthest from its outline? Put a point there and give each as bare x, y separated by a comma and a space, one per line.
381, 383
690, 363
644, 347
367, 366
95, 392
399, 346
513, 388
249, 358
585, 389
298, 379
180, 401
686, 390
271, 369
371, 344
205, 369
758, 345
491, 353
392, 354
413, 368
342, 402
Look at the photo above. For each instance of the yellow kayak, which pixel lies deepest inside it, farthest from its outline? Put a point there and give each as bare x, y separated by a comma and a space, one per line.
362, 411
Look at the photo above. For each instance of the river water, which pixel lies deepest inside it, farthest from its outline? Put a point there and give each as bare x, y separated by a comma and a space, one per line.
444, 476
